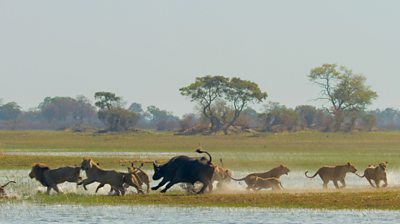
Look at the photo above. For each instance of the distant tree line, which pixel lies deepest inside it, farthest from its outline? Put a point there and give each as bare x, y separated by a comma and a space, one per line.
223, 105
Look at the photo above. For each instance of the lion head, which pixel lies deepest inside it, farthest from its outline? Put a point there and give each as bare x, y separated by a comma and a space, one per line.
37, 172
351, 168
281, 169
88, 164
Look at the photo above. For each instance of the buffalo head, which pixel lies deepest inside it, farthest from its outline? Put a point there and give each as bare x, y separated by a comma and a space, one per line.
157, 172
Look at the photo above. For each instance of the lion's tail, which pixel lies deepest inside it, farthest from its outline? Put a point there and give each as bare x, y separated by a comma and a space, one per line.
361, 176
312, 175
227, 173
5, 185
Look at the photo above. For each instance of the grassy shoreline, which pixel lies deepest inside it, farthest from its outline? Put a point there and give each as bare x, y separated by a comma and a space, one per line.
384, 199
299, 151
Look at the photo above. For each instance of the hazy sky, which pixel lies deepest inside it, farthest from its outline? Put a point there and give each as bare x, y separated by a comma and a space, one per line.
145, 51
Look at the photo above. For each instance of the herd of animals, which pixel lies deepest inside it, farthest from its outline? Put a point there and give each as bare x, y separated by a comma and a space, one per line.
187, 171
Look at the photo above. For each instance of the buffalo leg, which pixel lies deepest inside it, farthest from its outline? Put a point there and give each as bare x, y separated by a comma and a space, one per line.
100, 186
56, 189
170, 184
164, 181
204, 187
86, 182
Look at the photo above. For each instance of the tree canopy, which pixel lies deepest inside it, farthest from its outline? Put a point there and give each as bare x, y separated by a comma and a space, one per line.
106, 100
212, 92
344, 90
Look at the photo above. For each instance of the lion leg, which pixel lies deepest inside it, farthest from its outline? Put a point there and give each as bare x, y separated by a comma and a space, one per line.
276, 188
336, 184
169, 185
325, 184
370, 182
343, 183
138, 189
377, 182
385, 182
164, 181
148, 188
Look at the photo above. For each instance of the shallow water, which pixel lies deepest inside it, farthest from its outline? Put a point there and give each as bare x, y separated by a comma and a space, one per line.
294, 181
29, 213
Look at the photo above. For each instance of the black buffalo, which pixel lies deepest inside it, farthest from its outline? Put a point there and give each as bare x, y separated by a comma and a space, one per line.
184, 169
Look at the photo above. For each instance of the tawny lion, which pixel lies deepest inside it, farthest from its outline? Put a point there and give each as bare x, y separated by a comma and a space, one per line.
3, 193
95, 174
376, 173
273, 173
51, 177
334, 173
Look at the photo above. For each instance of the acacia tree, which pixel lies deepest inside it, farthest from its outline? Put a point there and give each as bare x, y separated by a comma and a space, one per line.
106, 100
9, 111
112, 114
344, 90
210, 92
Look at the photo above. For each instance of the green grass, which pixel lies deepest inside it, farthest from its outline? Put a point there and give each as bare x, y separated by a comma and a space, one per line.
345, 199
297, 150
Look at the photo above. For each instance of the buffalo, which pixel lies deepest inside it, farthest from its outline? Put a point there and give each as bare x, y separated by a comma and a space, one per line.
184, 169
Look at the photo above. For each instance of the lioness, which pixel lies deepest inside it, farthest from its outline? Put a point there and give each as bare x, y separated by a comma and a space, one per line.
272, 182
221, 174
2, 191
141, 175
275, 172
132, 179
95, 174
51, 177
334, 173
376, 173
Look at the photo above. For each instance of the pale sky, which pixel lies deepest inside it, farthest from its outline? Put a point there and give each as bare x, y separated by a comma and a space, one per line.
145, 51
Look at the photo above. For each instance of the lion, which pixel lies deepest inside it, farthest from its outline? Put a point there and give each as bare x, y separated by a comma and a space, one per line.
221, 174
51, 177
276, 172
3, 193
265, 183
95, 174
132, 179
334, 173
376, 173
141, 175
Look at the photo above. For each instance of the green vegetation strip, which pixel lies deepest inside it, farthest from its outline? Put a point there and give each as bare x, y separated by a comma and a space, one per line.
300, 150
348, 199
